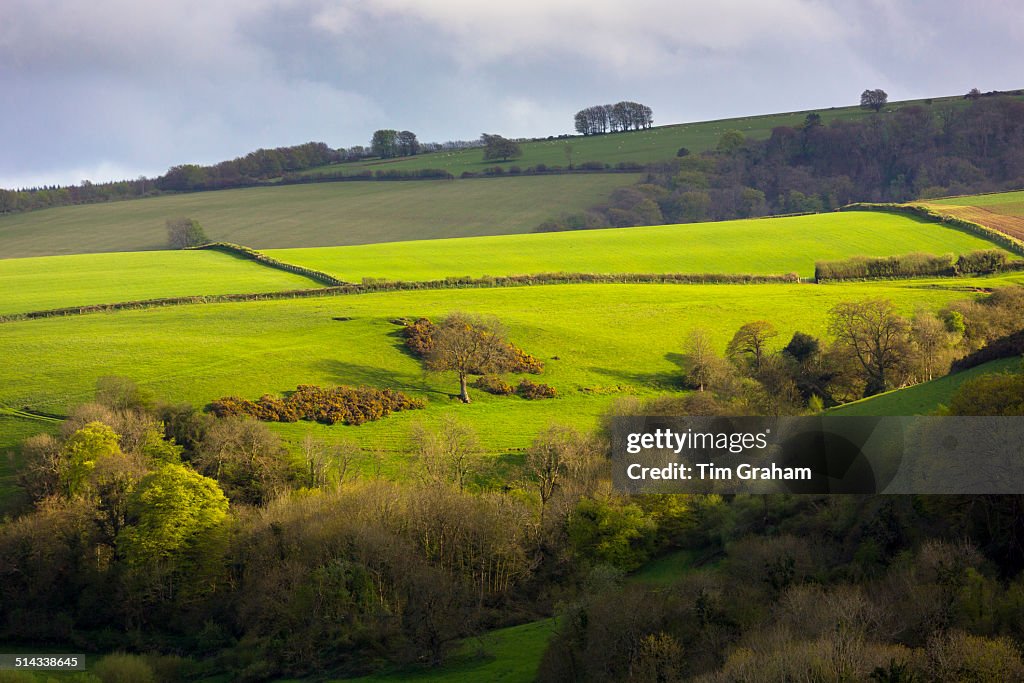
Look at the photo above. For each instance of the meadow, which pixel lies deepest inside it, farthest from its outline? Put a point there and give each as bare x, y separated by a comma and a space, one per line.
34, 284
758, 246
322, 214
609, 340
658, 143
1005, 203
924, 398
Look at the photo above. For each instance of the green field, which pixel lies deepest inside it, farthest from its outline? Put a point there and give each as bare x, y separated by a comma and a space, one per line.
507, 655
323, 214
645, 146
925, 398
33, 284
762, 246
611, 340
1005, 203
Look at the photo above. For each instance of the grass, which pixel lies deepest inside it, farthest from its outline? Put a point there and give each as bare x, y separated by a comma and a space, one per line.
503, 655
762, 246
1005, 203
324, 214
32, 284
923, 399
655, 144
611, 340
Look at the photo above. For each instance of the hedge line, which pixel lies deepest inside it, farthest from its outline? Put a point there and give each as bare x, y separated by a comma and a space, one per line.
252, 254
1009, 243
1010, 346
373, 286
981, 262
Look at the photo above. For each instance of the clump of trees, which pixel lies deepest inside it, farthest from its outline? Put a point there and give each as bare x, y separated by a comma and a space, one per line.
349, 405
183, 233
873, 99
497, 148
605, 118
388, 143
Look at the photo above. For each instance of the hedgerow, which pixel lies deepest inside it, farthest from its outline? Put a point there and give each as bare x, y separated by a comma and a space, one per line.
252, 254
980, 262
350, 405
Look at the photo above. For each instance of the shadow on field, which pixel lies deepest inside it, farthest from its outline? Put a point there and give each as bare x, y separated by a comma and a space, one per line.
355, 374
658, 380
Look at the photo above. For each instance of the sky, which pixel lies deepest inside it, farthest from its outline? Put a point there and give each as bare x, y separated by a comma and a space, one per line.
113, 89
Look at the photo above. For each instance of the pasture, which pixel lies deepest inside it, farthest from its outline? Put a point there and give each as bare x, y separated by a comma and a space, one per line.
323, 214
925, 398
609, 340
659, 143
33, 284
757, 246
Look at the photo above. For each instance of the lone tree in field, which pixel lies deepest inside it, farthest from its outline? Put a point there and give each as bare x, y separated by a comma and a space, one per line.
185, 232
875, 335
497, 147
873, 99
469, 345
750, 344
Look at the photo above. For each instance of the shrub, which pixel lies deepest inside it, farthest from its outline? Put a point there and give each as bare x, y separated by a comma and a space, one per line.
493, 384
419, 336
982, 261
350, 405
591, 166
534, 390
122, 668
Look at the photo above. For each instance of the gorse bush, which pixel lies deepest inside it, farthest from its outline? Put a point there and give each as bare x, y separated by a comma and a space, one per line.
535, 390
350, 405
493, 384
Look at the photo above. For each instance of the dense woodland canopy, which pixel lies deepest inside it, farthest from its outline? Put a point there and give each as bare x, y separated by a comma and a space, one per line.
917, 151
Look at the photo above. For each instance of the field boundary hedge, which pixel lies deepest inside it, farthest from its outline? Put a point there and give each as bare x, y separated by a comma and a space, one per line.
376, 286
1002, 239
915, 265
271, 262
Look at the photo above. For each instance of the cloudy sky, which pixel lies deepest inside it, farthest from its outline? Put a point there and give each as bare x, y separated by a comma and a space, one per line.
112, 89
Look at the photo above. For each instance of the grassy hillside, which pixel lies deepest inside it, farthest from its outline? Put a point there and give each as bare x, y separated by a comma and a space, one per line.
33, 284
645, 146
1005, 203
761, 246
610, 340
923, 399
324, 214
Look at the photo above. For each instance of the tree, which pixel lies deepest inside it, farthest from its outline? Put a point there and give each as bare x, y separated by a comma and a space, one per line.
497, 147
80, 452
932, 344
750, 344
730, 141
559, 458
875, 335
701, 359
183, 233
407, 143
448, 454
385, 143
469, 345
1001, 394
246, 459
873, 99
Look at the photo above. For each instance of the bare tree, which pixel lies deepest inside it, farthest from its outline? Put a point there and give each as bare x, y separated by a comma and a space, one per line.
701, 358
447, 454
469, 345
559, 458
876, 335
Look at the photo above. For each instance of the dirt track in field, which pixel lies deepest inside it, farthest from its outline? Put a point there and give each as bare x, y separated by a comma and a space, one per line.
1008, 225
